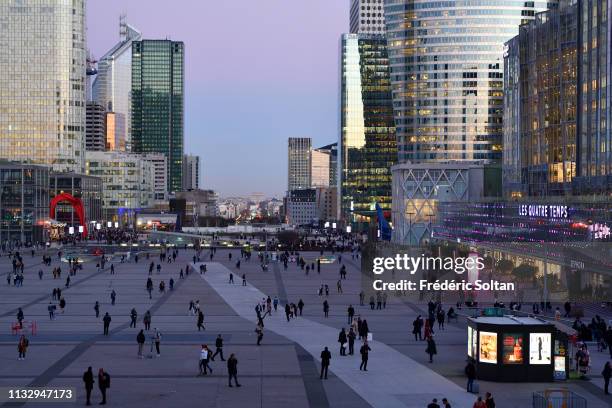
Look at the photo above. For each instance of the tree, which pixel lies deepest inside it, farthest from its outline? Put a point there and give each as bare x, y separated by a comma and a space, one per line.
524, 272
505, 265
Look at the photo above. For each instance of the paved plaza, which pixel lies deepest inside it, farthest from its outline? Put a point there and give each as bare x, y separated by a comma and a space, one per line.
282, 372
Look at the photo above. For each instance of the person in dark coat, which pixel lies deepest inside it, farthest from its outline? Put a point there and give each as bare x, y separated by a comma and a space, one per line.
232, 369
88, 379
107, 320
365, 350
417, 325
325, 358
351, 341
140, 339
218, 348
470, 373
607, 373
431, 348
326, 308
342, 340
103, 384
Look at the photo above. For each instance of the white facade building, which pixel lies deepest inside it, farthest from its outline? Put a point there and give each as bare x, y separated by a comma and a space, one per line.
191, 172
302, 207
160, 175
319, 168
127, 182
113, 84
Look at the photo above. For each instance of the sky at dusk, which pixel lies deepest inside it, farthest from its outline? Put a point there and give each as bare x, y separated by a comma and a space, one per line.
256, 73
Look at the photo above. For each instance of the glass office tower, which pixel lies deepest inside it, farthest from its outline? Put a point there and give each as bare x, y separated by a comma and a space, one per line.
42, 82
157, 103
446, 61
367, 145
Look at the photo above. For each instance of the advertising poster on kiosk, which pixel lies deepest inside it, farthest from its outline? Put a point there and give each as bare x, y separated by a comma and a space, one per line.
539, 348
469, 343
488, 347
513, 348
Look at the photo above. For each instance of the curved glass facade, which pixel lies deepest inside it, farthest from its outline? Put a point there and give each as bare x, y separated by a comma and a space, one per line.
447, 65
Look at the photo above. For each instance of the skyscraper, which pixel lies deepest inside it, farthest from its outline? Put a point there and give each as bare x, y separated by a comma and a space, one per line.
95, 128
157, 103
332, 151
298, 174
447, 72
113, 83
367, 17
42, 77
191, 172
367, 146
319, 168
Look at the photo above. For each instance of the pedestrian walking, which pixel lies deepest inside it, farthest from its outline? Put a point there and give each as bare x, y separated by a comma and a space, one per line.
365, 350
147, 320
231, 278
232, 370
107, 320
342, 339
479, 403
445, 403
326, 308
244, 279
22, 347
470, 373
351, 341
51, 310
433, 404
97, 309
351, 313
140, 339
259, 331
103, 384
20, 318
325, 359
205, 355
607, 373
489, 401
133, 317
157, 339
88, 379
417, 326
218, 348
431, 348
300, 306
200, 321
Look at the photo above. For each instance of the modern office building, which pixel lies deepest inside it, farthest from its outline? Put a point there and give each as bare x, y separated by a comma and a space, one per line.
367, 17
367, 145
327, 203
298, 159
160, 175
113, 83
332, 151
191, 172
95, 127
556, 139
42, 82
24, 202
319, 168
446, 63
198, 203
157, 103
115, 131
87, 188
127, 183
302, 207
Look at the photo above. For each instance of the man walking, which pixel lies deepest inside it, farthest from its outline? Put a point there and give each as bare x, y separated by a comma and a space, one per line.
157, 339
107, 320
140, 339
133, 317
342, 340
351, 341
103, 384
88, 379
201, 321
365, 350
325, 358
218, 348
470, 373
607, 373
232, 369
351, 313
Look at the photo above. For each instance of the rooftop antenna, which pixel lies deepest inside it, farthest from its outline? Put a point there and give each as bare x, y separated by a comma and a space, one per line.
123, 31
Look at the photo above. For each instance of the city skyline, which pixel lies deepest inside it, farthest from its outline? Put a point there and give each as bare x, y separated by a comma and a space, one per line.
267, 99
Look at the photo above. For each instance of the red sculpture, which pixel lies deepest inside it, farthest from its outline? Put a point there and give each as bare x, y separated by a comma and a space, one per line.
76, 203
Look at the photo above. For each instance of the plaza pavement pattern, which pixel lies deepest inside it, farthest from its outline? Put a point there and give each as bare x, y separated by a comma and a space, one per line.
283, 372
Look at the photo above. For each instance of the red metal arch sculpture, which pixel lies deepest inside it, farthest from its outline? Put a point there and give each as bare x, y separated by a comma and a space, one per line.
76, 203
